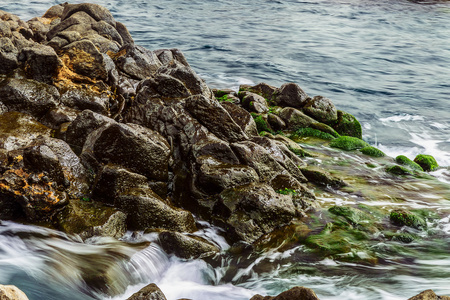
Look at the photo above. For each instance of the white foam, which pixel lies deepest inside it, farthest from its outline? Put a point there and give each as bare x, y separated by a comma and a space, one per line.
402, 117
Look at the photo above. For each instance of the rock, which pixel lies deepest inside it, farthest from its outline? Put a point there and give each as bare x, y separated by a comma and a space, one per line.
40, 28
83, 57
186, 246
28, 96
242, 118
137, 148
321, 109
214, 176
261, 89
82, 99
322, 177
347, 125
114, 227
294, 118
136, 61
290, 94
41, 63
372, 151
253, 210
427, 162
348, 143
399, 170
97, 12
58, 116
18, 130
262, 126
254, 102
429, 295
85, 123
403, 160
214, 117
11, 292
145, 210
276, 122
405, 218
8, 54
296, 293
112, 181
55, 159
150, 292
55, 11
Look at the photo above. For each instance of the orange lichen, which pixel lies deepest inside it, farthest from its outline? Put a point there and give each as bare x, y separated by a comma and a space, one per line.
115, 55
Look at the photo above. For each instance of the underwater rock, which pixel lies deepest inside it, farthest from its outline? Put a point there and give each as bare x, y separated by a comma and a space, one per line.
298, 292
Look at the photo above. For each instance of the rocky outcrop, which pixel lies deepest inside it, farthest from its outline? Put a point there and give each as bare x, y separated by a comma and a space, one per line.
149, 292
429, 295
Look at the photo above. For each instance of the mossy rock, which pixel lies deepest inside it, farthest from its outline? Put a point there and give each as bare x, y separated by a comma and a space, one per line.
261, 123
403, 237
403, 160
325, 128
427, 162
405, 218
347, 125
398, 170
348, 143
353, 215
372, 151
310, 132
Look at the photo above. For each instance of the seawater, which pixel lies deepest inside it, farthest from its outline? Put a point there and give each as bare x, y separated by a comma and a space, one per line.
385, 61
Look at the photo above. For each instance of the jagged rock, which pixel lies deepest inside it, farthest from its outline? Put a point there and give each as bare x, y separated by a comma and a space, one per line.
112, 181
84, 58
214, 176
28, 96
55, 159
86, 122
322, 177
321, 109
55, 11
115, 227
40, 28
11, 292
137, 148
5, 29
8, 53
186, 246
429, 295
242, 118
58, 116
290, 94
254, 102
82, 99
146, 209
150, 292
19, 130
275, 122
252, 210
214, 117
261, 89
295, 119
136, 61
97, 12
296, 293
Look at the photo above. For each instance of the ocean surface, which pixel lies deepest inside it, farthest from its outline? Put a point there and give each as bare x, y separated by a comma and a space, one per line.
385, 61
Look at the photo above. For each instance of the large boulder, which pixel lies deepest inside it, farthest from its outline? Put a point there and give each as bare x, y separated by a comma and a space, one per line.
321, 109
290, 94
41, 62
8, 52
186, 246
136, 61
149, 292
295, 118
28, 96
242, 118
82, 99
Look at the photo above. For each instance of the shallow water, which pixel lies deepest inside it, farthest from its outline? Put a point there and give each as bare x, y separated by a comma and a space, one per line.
384, 61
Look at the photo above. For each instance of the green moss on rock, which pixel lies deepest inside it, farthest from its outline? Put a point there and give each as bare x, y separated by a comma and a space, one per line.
427, 162
310, 132
372, 151
405, 218
348, 143
347, 125
353, 215
261, 123
403, 160
398, 170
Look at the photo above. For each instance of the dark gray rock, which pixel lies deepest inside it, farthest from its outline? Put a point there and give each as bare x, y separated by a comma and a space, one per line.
254, 102
145, 209
85, 59
261, 89
242, 118
186, 246
41, 62
28, 96
150, 292
298, 292
295, 119
136, 61
83, 99
58, 116
290, 94
8, 56
321, 109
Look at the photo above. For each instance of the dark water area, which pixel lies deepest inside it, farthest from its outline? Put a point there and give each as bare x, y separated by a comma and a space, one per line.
386, 62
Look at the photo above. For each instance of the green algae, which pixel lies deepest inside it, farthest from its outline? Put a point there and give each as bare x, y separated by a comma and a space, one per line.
261, 123
403, 160
311, 132
401, 217
352, 215
348, 125
427, 162
372, 151
399, 170
348, 143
